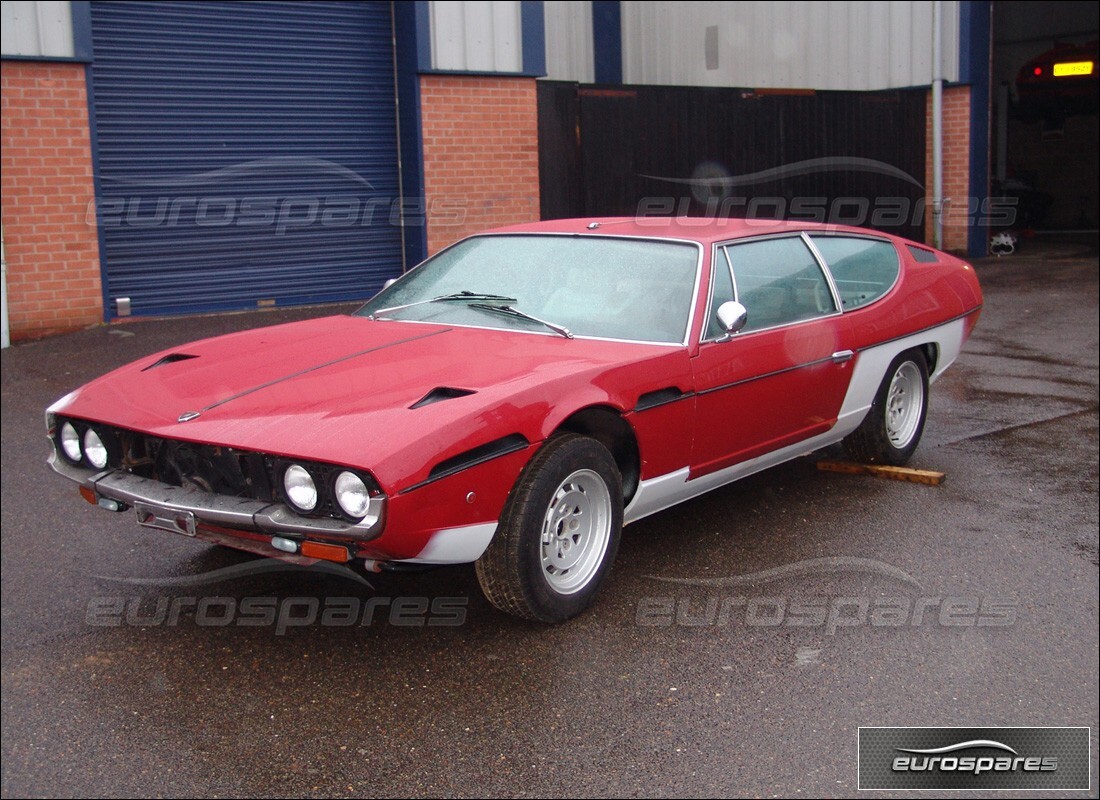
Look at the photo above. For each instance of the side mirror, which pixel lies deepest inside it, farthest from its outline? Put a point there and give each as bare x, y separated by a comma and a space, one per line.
389, 283
732, 316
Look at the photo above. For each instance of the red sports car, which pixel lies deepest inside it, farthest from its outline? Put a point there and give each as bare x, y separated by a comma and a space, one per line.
518, 397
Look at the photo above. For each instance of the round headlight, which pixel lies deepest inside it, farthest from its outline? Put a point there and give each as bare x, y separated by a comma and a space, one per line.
301, 491
352, 495
70, 442
94, 449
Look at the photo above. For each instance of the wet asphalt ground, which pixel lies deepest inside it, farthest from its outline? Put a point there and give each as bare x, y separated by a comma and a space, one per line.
740, 642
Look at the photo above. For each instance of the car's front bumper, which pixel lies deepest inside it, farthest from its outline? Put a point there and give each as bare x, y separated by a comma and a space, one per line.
185, 510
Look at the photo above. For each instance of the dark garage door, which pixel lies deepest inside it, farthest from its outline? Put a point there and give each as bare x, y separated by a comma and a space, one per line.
842, 157
246, 153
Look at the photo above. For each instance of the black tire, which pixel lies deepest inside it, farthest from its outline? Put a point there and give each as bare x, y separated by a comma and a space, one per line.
521, 576
876, 440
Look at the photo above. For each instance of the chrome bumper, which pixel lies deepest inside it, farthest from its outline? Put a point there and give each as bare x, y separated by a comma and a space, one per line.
218, 510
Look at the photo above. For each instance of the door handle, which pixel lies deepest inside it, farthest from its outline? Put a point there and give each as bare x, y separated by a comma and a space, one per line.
840, 356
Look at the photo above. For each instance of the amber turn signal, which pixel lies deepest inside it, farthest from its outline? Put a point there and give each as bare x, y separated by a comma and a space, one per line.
328, 552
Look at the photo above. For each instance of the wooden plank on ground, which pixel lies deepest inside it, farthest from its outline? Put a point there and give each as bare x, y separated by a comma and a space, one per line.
924, 476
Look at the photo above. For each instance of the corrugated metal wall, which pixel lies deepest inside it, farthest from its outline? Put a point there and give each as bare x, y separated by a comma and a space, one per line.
569, 54
36, 29
801, 44
476, 35
842, 45
247, 152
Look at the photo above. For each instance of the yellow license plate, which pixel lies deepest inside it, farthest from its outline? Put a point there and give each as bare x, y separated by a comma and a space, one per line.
1072, 68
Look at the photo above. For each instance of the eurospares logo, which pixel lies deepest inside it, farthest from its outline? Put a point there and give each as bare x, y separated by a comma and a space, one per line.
938, 758
974, 758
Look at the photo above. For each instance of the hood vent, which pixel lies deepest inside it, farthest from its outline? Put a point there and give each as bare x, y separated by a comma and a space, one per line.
439, 394
171, 358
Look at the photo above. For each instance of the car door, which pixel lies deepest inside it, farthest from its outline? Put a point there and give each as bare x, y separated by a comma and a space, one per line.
782, 378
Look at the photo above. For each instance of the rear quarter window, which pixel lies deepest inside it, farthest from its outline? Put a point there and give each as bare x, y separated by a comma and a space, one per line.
863, 269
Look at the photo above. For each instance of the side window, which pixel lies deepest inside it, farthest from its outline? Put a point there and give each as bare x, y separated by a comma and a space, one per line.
863, 269
721, 291
779, 281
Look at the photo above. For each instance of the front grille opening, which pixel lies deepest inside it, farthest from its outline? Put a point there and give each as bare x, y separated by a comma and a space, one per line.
208, 468
212, 468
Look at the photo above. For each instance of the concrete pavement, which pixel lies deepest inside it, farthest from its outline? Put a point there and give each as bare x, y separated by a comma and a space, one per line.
685, 679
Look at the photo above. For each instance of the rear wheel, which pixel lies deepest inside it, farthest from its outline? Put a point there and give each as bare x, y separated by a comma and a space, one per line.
559, 532
893, 427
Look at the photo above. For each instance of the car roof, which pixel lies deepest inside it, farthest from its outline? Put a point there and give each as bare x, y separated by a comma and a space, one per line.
704, 230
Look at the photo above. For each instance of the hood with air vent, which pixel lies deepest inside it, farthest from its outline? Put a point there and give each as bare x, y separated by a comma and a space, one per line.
388, 396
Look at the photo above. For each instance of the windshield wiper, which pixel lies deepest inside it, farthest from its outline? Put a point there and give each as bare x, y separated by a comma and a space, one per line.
446, 298
515, 312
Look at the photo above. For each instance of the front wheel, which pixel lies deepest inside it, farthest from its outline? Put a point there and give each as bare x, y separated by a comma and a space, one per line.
893, 427
559, 532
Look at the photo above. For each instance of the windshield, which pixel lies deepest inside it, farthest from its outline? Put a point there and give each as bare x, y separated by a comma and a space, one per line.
633, 289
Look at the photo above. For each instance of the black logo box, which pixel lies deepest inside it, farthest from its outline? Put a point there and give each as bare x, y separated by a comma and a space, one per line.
974, 758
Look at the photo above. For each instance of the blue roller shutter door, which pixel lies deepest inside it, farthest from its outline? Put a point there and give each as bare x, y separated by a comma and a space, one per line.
246, 153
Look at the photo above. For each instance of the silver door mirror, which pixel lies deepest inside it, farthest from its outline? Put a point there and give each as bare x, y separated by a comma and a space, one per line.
732, 316
389, 283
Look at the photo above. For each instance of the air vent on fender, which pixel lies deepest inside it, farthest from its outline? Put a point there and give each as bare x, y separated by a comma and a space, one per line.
171, 358
439, 394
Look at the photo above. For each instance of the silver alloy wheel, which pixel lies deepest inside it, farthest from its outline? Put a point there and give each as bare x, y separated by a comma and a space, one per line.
904, 405
575, 531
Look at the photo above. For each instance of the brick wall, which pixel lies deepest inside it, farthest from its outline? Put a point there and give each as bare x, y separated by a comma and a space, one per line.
481, 160
956, 168
47, 191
